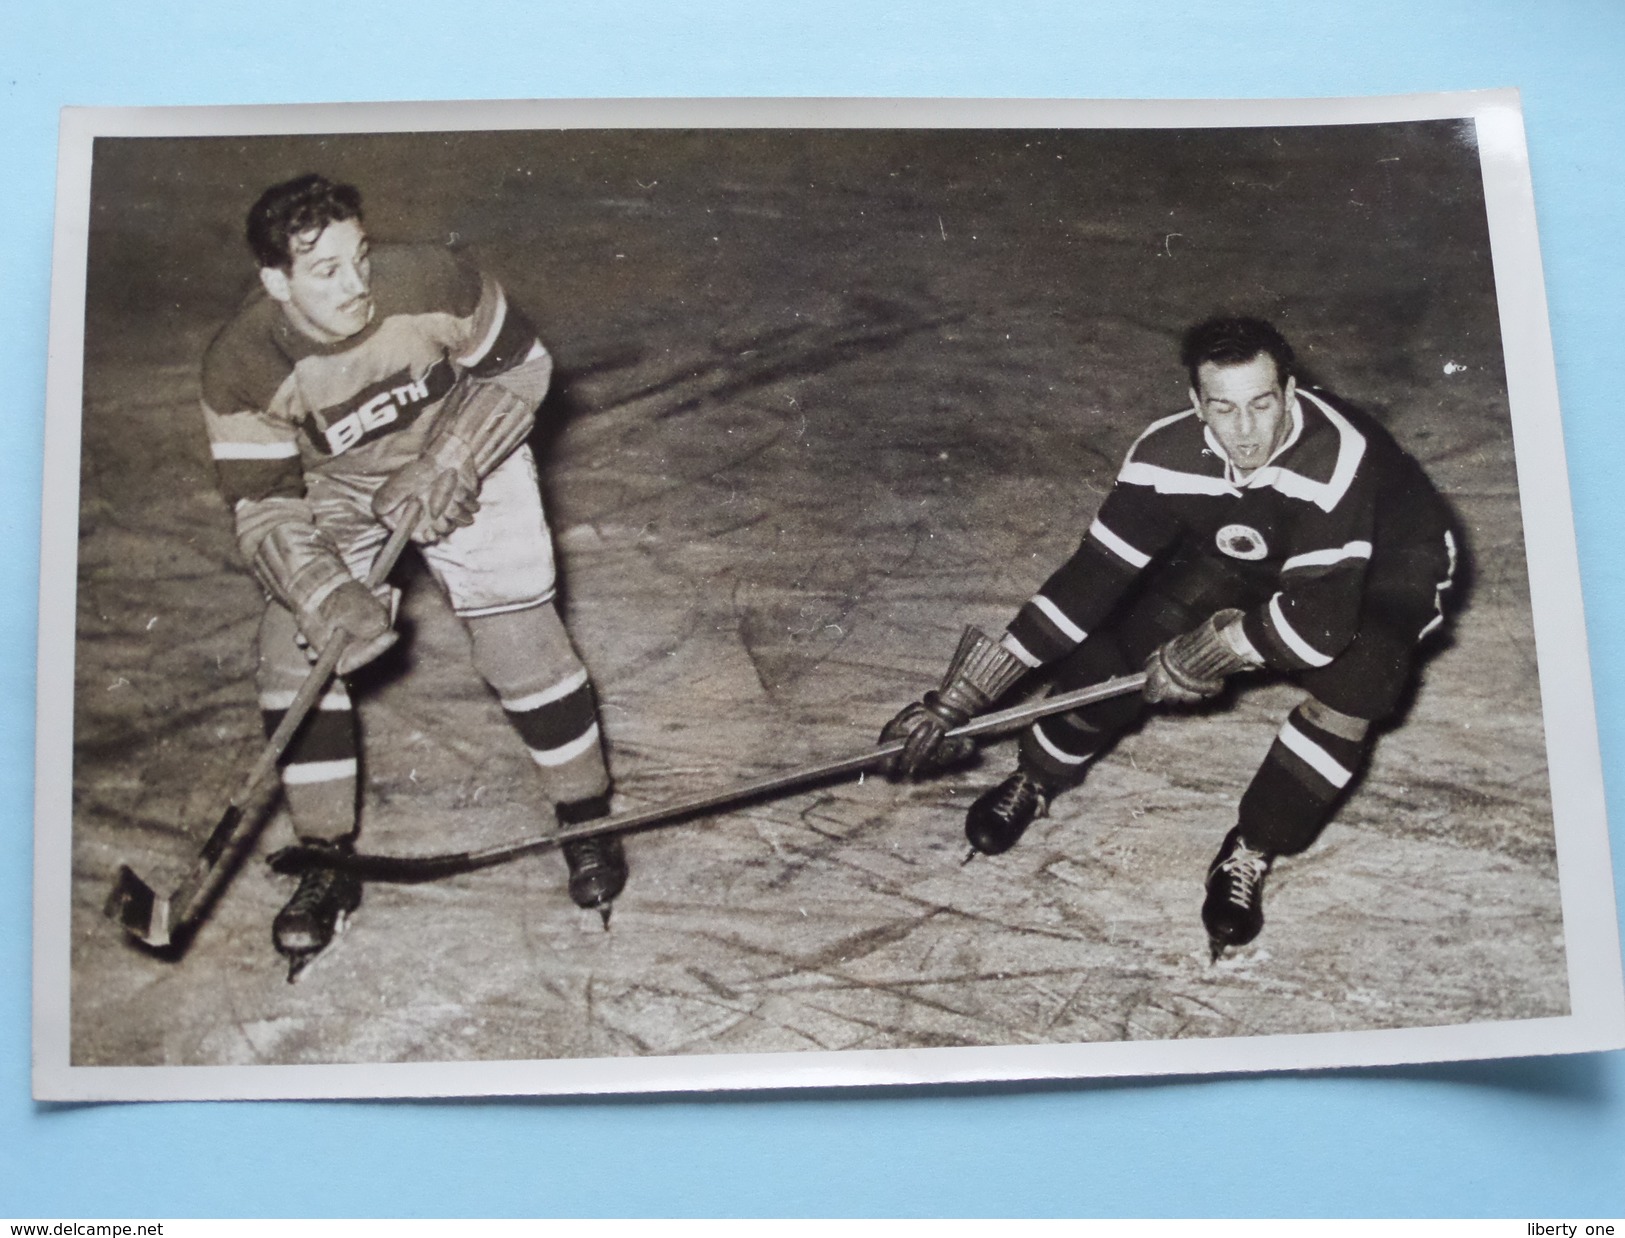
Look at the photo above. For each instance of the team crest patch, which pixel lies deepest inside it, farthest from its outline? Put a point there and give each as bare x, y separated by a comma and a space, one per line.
1240, 542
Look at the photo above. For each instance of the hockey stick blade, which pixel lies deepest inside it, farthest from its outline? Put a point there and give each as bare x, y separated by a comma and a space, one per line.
136, 908
411, 869
157, 920
161, 921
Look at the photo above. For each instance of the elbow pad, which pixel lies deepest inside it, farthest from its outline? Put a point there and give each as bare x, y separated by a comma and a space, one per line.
529, 380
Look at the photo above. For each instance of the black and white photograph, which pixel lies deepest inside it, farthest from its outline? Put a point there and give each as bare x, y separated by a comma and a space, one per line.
554, 601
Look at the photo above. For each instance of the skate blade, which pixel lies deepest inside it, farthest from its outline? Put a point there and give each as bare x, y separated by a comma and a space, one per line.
603, 914
969, 856
1237, 953
299, 961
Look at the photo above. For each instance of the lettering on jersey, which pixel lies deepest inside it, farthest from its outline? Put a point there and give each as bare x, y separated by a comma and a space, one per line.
1241, 542
381, 408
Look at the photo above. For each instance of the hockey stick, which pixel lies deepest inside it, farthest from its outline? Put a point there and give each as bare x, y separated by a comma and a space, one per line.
159, 920
416, 868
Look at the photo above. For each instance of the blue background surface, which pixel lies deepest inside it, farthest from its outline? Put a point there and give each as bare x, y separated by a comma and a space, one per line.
1528, 1138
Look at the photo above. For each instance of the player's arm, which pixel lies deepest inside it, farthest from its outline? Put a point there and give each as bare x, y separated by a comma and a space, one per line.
258, 469
489, 413
506, 373
1134, 525
1055, 621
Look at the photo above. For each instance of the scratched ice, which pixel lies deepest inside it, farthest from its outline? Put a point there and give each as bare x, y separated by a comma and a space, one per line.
785, 468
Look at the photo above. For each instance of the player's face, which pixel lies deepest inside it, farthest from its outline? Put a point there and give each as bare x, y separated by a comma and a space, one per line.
1246, 407
327, 292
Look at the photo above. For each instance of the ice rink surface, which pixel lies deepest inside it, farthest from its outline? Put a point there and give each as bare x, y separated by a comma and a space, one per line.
822, 399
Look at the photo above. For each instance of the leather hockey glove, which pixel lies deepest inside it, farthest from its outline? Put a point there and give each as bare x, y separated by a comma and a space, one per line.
485, 423
354, 609
445, 481
982, 670
301, 569
1193, 665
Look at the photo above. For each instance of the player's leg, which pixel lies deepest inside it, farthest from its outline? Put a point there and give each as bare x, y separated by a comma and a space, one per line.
1314, 758
527, 658
1324, 742
499, 574
1056, 752
318, 772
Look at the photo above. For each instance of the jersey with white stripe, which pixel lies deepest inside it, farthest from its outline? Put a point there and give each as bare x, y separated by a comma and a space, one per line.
278, 404
1303, 529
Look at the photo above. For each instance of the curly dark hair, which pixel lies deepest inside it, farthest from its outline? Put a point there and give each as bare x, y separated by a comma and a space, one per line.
1234, 341
288, 211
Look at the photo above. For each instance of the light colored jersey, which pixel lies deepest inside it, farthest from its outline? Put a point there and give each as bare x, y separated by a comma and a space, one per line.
279, 405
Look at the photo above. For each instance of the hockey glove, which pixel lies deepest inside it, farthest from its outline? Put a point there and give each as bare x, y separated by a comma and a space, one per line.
356, 611
445, 481
982, 671
1193, 665
924, 726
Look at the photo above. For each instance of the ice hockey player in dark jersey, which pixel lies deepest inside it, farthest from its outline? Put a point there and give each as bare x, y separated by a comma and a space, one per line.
1267, 528
355, 387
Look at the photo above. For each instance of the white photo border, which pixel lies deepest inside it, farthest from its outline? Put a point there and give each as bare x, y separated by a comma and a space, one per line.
1597, 994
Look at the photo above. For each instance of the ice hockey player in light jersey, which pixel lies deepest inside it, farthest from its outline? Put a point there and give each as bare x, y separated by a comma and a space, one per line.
354, 388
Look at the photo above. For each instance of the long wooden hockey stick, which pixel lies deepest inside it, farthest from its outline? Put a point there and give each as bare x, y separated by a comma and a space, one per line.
416, 868
160, 920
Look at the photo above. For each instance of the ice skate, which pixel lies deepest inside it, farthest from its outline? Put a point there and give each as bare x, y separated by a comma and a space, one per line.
597, 865
1233, 912
319, 910
1000, 816
597, 872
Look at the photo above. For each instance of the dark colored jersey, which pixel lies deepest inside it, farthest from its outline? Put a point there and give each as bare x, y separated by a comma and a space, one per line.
278, 403
1306, 527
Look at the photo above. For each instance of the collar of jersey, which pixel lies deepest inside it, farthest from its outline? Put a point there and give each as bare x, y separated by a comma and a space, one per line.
296, 345
1326, 495
1323, 494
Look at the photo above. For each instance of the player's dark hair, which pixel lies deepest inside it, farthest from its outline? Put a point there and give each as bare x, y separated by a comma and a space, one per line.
293, 208
1235, 341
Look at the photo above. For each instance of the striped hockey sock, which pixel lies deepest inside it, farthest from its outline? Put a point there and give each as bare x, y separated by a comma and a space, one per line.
559, 727
319, 766
1058, 750
1294, 792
